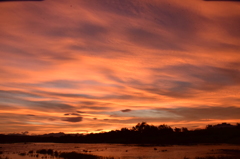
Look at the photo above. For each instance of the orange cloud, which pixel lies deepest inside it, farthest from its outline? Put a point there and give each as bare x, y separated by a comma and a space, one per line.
112, 64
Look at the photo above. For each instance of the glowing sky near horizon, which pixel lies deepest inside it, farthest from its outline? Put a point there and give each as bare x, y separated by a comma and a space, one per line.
79, 66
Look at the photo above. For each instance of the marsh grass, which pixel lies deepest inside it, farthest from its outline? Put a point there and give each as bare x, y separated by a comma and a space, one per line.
46, 151
75, 155
226, 154
216, 157
231, 151
22, 154
70, 155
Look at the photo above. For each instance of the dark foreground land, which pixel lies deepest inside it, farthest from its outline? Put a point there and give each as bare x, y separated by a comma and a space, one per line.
50, 153
232, 154
142, 133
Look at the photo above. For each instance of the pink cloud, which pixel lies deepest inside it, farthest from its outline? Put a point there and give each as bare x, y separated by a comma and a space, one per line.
97, 58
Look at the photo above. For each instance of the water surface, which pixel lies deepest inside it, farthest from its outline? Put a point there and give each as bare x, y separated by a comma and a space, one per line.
118, 151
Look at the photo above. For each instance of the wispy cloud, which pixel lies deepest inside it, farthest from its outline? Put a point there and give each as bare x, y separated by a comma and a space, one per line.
18, 0
72, 119
126, 110
119, 63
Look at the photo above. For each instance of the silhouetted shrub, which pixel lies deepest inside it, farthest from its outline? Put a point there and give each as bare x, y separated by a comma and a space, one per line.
218, 157
74, 155
45, 151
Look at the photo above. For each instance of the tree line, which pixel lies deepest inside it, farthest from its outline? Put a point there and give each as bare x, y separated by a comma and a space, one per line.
142, 133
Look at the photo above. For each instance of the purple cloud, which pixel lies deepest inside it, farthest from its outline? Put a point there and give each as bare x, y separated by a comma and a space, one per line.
72, 119
126, 110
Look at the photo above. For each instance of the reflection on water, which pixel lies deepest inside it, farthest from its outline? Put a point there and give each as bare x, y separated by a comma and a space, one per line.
114, 151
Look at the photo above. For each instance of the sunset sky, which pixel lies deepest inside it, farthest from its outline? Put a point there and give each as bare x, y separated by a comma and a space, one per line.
78, 66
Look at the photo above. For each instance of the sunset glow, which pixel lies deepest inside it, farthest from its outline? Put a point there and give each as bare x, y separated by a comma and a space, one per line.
78, 66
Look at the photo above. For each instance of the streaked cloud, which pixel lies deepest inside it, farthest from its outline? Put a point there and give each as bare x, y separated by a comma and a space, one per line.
126, 110
83, 66
72, 119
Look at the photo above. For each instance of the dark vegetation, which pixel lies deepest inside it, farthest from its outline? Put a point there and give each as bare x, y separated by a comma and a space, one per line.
74, 155
50, 153
216, 157
143, 133
228, 154
46, 153
219, 157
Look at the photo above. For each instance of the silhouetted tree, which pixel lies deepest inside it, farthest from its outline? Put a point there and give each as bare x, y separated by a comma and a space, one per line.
184, 129
209, 126
140, 127
124, 130
177, 130
142, 133
165, 129
238, 125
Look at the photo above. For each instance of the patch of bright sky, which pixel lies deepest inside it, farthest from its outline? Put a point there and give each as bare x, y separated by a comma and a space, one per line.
145, 113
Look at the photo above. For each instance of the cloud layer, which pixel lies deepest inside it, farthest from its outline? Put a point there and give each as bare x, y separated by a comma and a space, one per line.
86, 66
